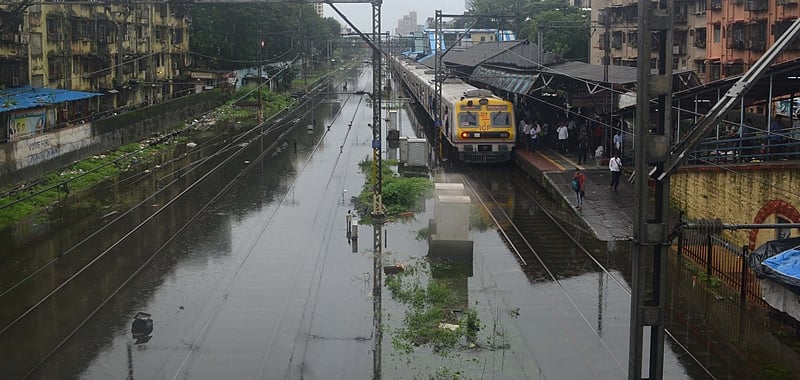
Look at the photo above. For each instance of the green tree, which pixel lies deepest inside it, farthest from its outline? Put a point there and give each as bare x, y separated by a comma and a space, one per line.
565, 29
228, 36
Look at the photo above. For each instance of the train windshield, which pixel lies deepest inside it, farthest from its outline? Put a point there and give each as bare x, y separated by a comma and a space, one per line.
501, 119
467, 119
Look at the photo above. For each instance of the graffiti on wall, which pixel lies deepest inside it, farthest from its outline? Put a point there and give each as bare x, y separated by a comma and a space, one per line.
26, 123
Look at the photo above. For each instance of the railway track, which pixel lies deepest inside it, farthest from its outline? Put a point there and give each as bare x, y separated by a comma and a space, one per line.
101, 264
554, 246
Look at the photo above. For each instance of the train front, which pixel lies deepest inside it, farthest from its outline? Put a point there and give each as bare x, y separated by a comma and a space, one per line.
484, 130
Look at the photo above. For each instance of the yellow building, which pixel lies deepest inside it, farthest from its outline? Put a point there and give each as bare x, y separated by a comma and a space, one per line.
135, 54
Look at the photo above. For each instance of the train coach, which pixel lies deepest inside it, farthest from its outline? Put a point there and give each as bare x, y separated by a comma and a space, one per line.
476, 125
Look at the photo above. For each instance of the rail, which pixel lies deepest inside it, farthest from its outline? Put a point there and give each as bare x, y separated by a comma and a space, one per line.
756, 146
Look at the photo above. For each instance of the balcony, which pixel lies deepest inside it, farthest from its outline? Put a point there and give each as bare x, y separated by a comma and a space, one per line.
736, 45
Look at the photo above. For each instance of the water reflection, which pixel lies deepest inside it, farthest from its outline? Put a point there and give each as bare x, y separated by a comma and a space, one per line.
138, 258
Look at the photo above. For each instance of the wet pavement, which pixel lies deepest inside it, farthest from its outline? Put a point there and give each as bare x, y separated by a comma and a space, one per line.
608, 213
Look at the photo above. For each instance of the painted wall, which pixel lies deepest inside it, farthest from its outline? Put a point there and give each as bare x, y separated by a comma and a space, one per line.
31, 157
744, 194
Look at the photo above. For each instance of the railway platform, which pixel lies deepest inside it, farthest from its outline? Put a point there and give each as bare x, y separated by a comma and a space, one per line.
608, 213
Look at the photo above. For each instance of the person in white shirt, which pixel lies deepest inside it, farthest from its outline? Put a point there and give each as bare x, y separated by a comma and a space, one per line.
536, 130
526, 132
615, 166
617, 140
563, 135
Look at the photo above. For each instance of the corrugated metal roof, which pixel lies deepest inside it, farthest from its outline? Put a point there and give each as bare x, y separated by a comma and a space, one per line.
30, 97
594, 73
523, 56
477, 54
517, 83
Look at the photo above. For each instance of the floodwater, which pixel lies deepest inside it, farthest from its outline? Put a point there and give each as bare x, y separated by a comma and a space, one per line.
251, 275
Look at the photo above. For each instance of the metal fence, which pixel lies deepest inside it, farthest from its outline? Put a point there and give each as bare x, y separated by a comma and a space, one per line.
753, 147
719, 259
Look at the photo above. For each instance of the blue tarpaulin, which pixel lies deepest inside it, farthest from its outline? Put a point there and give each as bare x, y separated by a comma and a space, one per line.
30, 97
784, 266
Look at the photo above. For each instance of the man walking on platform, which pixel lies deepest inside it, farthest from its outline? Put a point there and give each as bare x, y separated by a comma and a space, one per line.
615, 166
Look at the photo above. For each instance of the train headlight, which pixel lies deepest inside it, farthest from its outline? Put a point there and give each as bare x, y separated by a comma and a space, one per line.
464, 135
505, 135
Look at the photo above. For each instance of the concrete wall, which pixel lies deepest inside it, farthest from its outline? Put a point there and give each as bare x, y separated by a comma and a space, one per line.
54, 150
744, 194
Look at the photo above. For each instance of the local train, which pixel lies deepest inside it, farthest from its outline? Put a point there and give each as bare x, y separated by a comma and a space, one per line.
477, 125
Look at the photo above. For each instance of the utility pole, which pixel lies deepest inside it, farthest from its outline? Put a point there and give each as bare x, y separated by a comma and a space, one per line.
650, 233
378, 215
260, 80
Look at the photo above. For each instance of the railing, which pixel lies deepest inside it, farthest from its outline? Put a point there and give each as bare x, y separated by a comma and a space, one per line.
717, 259
751, 147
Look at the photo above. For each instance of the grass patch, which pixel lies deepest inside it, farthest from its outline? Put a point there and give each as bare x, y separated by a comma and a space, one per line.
435, 315
400, 195
20, 204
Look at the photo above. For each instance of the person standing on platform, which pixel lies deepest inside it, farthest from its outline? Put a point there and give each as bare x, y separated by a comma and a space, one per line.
535, 131
563, 135
525, 128
583, 147
578, 186
615, 166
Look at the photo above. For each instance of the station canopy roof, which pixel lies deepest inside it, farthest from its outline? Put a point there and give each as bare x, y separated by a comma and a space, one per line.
517, 83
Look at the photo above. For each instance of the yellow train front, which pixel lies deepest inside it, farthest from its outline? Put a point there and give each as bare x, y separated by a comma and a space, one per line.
478, 126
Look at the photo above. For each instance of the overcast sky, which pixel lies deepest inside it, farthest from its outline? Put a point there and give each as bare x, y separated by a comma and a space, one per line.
391, 11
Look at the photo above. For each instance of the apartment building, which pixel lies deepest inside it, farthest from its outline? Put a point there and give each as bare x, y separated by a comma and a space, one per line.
714, 38
135, 54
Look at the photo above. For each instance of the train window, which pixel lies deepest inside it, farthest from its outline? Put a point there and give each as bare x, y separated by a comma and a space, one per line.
467, 119
501, 119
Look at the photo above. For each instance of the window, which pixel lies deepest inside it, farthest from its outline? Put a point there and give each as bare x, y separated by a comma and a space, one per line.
717, 32
782, 233
633, 39
714, 72
467, 119
700, 67
700, 38
734, 69
700, 7
501, 119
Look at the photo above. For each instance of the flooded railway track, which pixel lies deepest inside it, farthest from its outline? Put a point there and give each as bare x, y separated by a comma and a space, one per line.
552, 245
85, 275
